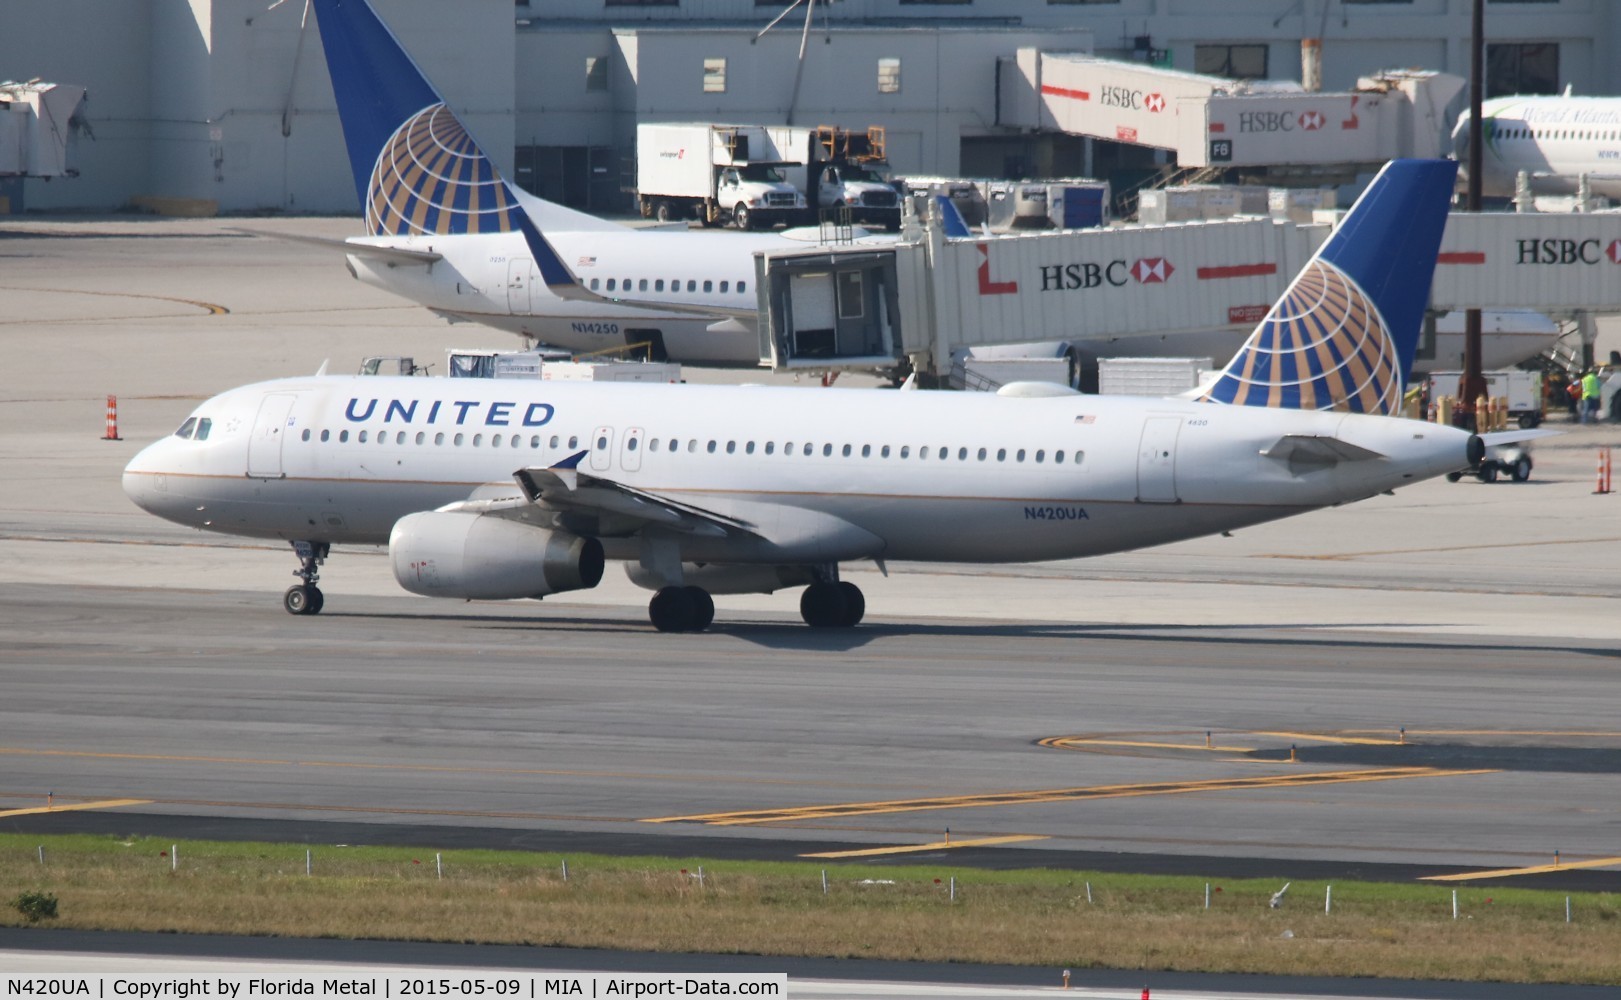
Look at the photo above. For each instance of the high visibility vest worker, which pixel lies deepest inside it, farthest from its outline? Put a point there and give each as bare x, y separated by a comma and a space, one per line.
1590, 386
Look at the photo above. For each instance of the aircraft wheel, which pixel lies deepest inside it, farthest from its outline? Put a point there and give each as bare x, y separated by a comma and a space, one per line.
1522, 469
1453, 477
741, 217
855, 604
302, 600
823, 605
703, 607
672, 609
1487, 474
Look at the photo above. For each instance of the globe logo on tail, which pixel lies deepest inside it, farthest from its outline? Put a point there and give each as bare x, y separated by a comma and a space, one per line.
432, 179
1324, 346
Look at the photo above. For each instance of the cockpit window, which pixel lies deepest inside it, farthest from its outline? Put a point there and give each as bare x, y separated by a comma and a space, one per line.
203, 426
186, 428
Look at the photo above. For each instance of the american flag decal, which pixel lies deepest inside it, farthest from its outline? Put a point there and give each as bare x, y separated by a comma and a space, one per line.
1086, 419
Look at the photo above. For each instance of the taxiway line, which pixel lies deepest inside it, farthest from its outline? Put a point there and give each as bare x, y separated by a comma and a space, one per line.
1303, 779
1531, 870
943, 845
74, 807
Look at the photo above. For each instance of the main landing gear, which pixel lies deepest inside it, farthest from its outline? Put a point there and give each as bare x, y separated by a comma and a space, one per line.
681, 609
306, 598
832, 604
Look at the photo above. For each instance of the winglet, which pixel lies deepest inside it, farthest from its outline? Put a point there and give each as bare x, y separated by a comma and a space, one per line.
951, 220
568, 471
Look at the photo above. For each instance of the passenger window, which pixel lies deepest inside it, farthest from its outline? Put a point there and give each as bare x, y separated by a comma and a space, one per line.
534, 441
1019, 457
922, 452
723, 286
742, 286
658, 286
495, 441
653, 444
692, 446
457, 440
748, 449
573, 442
1001, 454
1058, 458
554, 440
203, 426
809, 448
642, 285
884, 453
1041, 456
731, 447
962, 454
439, 438
827, 451
982, 454
421, 436
709, 286
1078, 456
594, 283
906, 452
866, 451
610, 284
692, 286
630, 445
326, 436
362, 437
846, 451
478, 439
602, 442
343, 437
306, 435
711, 448
399, 438
770, 447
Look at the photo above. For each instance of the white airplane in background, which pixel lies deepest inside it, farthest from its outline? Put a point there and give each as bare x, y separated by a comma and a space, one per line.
444, 227
1553, 140
492, 489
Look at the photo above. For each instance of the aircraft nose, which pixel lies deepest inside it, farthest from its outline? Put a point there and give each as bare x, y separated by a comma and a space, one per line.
147, 483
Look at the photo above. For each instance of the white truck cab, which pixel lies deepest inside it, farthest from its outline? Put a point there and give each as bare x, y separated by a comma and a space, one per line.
756, 195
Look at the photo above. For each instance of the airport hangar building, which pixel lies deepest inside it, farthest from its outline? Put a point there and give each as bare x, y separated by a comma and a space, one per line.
229, 102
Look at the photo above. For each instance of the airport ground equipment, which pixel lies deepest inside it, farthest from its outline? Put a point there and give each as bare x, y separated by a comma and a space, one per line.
39, 127
1520, 390
714, 173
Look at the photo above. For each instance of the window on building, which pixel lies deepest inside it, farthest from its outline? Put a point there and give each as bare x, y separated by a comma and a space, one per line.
596, 73
1236, 62
1522, 68
889, 75
715, 76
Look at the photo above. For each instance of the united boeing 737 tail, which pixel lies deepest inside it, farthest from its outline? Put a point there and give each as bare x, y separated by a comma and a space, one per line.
417, 168
1343, 335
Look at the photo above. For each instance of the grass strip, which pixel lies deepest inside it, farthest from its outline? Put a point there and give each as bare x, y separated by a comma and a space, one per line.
1032, 917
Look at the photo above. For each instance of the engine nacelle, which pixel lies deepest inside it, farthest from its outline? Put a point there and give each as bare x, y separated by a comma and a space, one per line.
731, 578
481, 557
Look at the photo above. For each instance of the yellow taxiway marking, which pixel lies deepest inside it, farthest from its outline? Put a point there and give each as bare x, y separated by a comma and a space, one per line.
74, 807
1307, 778
914, 848
1330, 738
1532, 870
1082, 742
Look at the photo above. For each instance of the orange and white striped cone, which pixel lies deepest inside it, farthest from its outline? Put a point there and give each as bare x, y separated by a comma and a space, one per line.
1605, 468
112, 420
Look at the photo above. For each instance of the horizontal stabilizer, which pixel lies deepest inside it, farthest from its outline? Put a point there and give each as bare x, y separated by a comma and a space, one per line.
1496, 438
391, 255
1310, 449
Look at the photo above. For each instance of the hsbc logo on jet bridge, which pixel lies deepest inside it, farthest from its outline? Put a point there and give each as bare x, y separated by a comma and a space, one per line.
1067, 277
1280, 121
1136, 100
1557, 251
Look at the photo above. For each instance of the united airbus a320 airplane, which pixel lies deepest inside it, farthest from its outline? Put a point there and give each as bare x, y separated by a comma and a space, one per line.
443, 226
1555, 141
493, 489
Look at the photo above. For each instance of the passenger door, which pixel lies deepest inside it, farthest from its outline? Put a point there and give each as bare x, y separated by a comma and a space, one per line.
1156, 460
270, 428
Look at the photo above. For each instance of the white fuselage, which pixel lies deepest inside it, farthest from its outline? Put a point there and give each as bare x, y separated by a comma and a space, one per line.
492, 279
1554, 140
823, 475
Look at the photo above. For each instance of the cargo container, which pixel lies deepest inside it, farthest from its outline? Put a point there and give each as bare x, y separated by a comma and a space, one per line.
714, 173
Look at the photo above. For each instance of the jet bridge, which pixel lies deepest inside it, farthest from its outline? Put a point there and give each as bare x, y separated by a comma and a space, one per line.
880, 306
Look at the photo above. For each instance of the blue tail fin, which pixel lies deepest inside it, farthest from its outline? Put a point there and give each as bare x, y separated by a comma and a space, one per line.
416, 168
1343, 335
951, 220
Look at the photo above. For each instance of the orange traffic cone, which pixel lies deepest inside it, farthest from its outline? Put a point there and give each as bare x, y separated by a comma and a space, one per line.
112, 420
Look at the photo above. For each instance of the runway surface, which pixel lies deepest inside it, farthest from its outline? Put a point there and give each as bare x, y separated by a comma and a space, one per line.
1443, 664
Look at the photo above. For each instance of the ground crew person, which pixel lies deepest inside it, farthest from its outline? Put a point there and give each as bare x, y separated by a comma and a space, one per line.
1590, 396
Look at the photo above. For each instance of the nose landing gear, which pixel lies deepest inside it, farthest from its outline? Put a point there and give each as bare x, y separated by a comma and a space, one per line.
306, 598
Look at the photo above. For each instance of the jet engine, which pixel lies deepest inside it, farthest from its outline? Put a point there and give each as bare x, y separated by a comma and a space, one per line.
481, 557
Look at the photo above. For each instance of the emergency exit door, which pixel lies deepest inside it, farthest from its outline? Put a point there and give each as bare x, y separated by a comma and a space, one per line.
1156, 460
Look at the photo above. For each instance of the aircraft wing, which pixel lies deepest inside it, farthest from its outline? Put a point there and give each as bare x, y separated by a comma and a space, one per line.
562, 493
391, 255
1495, 438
